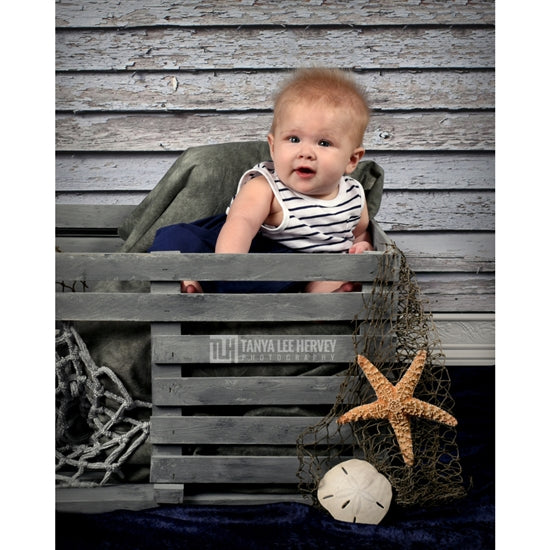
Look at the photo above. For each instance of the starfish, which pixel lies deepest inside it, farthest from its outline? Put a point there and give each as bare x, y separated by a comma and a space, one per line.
397, 404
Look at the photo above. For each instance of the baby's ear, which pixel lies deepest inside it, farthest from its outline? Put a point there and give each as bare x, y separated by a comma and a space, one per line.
270, 140
354, 159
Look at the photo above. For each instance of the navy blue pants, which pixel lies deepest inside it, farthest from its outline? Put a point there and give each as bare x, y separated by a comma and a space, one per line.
201, 236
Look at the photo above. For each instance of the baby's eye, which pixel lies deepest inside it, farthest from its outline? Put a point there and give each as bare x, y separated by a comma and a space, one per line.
294, 139
324, 143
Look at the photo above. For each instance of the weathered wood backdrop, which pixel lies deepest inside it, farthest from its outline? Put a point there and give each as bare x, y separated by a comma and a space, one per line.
138, 82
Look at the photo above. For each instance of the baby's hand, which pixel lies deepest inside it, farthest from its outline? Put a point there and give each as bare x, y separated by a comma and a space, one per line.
361, 246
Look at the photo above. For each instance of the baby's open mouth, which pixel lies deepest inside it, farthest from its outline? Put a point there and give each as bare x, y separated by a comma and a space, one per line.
304, 171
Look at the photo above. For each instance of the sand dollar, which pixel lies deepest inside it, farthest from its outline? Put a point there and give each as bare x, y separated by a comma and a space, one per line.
356, 492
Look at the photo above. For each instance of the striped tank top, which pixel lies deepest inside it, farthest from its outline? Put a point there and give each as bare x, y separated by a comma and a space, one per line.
310, 224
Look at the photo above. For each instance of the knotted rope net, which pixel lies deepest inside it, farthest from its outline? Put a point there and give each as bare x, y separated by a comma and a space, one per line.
394, 326
97, 421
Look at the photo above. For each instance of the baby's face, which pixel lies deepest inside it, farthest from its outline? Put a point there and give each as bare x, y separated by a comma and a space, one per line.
312, 146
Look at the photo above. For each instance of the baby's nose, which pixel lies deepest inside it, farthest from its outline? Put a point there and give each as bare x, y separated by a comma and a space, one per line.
306, 151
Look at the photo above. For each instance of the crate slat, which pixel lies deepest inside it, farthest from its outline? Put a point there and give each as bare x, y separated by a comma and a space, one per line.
229, 430
160, 266
243, 391
123, 496
91, 216
256, 348
224, 469
96, 306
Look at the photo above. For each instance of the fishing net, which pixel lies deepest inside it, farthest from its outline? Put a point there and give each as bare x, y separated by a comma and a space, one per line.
98, 423
395, 325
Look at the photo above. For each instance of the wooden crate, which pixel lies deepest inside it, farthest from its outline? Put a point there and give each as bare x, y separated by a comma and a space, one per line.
206, 431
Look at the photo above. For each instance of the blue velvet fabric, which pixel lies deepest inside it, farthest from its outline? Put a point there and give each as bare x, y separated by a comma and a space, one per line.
466, 524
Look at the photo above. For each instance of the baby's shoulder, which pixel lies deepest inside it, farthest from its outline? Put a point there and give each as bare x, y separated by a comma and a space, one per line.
257, 183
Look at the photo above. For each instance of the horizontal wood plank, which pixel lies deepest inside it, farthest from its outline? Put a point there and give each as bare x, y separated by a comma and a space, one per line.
206, 48
452, 292
442, 170
432, 211
447, 251
262, 495
425, 251
98, 500
257, 348
168, 493
88, 244
472, 329
229, 430
116, 14
224, 469
250, 390
400, 211
123, 496
209, 267
426, 131
91, 216
208, 307
458, 292
244, 91
82, 174
469, 355
466, 339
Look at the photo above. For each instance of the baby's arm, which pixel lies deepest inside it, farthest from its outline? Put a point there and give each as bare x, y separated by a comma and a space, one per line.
363, 238
362, 242
249, 210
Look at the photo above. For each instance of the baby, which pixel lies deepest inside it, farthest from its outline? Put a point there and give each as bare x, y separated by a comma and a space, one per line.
304, 201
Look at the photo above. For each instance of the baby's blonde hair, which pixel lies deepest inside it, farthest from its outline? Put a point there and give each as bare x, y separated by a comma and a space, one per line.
334, 87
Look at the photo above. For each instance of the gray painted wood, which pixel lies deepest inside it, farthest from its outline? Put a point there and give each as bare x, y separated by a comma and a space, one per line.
427, 131
303, 348
457, 287
124, 496
143, 496
208, 307
442, 293
266, 494
245, 90
425, 251
455, 252
160, 330
400, 211
230, 430
431, 211
474, 328
88, 244
208, 267
168, 493
91, 216
110, 13
250, 390
100, 176
225, 469
467, 339
245, 47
